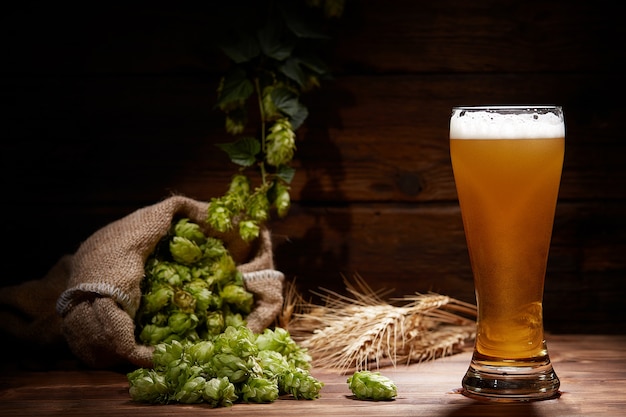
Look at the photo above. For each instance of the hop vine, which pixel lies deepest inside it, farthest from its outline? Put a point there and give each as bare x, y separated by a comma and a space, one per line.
273, 47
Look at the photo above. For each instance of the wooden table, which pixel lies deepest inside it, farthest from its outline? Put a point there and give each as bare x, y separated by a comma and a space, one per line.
592, 369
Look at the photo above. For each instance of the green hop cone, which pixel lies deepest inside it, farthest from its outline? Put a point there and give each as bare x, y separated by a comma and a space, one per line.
282, 200
185, 228
201, 352
237, 296
179, 372
233, 367
249, 230
269, 108
214, 248
259, 390
219, 215
234, 320
191, 391
240, 185
184, 301
202, 295
239, 341
223, 271
185, 251
167, 353
214, 322
168, 273
368, 385
158, 319
219, 392
280, 143
157, 299
152, 334
273, 363
181, 323
259, 207
147, 385
280, 340
301, 384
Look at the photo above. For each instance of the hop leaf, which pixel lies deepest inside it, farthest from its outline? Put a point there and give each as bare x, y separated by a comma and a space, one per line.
243, 151
234, 89
368, 385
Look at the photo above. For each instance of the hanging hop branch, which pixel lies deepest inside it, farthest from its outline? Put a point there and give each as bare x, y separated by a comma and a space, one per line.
272, 47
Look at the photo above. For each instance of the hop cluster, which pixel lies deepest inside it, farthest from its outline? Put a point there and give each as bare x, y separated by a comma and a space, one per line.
191, 289
234, 366
247, 208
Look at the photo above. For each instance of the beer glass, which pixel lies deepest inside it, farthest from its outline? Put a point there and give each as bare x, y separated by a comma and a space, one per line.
507, 163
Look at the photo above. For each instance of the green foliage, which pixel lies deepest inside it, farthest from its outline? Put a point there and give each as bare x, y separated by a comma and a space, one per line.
274, 49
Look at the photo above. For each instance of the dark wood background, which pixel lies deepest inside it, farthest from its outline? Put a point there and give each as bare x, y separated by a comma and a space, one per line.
110, 108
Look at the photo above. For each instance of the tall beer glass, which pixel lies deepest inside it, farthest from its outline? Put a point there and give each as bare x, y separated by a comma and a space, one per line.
507, 163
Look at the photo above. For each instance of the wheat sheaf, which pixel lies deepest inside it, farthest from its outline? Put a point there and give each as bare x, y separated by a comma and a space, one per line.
363, 331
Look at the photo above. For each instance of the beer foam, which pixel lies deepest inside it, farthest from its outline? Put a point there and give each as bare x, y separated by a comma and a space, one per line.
481, 123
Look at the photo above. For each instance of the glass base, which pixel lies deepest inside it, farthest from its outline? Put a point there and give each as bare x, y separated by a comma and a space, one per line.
531, 382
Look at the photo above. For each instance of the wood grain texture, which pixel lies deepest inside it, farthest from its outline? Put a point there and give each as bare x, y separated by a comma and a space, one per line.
592, 370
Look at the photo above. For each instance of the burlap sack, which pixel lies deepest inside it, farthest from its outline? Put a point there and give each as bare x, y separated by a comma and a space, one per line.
103, 292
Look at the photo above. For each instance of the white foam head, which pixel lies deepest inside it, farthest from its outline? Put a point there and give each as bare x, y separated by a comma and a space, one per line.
507, 122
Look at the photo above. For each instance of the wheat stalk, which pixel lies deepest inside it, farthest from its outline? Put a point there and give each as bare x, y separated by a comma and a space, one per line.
363, 331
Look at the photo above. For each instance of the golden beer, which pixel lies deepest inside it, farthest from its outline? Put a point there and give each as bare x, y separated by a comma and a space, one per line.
507, 166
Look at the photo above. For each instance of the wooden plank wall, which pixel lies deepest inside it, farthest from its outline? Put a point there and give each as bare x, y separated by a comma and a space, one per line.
110, 108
